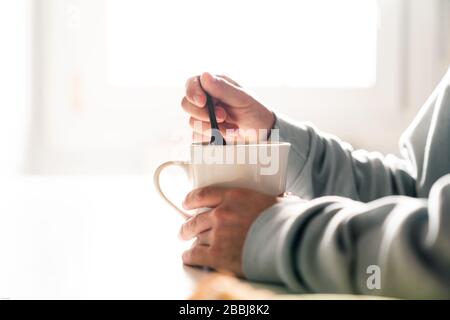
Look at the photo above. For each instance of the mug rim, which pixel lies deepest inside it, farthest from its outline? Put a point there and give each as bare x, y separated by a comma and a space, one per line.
207, 144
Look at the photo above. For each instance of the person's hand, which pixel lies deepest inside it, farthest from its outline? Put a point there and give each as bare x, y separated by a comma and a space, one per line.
236, 109
221, 231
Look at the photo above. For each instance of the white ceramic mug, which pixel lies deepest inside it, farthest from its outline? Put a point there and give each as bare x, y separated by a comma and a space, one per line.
260, 167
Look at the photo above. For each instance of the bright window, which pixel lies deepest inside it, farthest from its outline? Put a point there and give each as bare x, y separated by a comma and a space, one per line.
306, 43
112, 72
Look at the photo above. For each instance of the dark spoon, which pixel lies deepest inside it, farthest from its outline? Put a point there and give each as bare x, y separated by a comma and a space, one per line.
216, 136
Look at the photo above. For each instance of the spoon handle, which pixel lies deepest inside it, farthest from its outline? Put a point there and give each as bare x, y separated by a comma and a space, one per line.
216, 136
211, 112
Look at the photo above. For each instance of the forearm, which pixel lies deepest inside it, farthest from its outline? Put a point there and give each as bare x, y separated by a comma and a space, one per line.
328, 244
321, 164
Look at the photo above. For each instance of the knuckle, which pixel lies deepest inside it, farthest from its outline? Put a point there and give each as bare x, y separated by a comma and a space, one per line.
227, 209
190, 81
189, 201
186, 256
201, 238
181, 233
192, 86
184, 232
227, 78
190, 92
222, 212
218, 215
191, 225
187, 229
203, 193
184, 102
195, 253
236, 193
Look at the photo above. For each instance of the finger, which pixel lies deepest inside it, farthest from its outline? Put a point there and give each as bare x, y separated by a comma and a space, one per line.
194, 111
202, 113
204, 238
207, 197
194, 92
224, 90
229, 79
197, 256
195, 225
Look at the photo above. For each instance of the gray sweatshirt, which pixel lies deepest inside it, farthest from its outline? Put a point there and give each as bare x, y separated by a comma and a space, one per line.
375, 225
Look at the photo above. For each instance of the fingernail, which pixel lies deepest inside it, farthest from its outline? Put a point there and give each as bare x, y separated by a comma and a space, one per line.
209, 77
198, 99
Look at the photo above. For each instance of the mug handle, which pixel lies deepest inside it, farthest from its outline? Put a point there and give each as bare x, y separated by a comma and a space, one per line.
181, 164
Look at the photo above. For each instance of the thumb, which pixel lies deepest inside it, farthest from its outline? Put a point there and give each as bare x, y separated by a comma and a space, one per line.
224, 90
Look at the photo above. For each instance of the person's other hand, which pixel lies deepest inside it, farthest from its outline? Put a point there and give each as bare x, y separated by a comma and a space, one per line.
236, 109
221, 231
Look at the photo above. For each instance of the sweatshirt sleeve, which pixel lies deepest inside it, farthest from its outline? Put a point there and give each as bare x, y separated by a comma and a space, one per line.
320, 164
337, 245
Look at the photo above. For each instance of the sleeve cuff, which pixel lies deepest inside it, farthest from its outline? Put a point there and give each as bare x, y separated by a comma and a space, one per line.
300, 136
270, 246
260, 250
